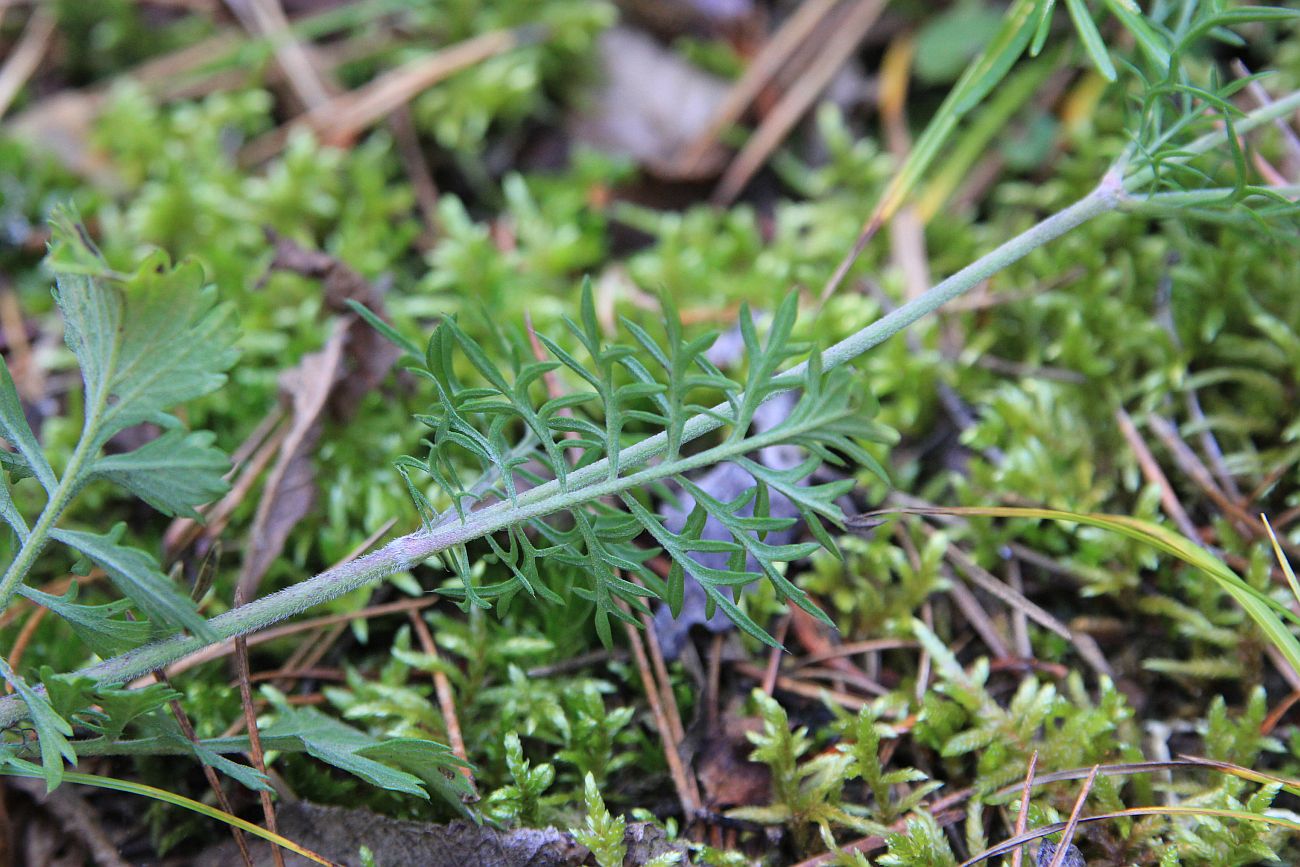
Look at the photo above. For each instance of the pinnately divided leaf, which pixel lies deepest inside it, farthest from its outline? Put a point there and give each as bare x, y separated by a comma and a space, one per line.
406, 765
516, 431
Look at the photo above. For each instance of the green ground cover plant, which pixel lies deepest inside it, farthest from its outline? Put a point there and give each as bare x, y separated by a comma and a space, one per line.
536, 471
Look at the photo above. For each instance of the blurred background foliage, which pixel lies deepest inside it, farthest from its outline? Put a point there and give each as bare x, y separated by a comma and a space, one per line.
1012, 398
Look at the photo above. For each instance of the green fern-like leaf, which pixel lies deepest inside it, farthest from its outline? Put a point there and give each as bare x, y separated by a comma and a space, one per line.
573, 446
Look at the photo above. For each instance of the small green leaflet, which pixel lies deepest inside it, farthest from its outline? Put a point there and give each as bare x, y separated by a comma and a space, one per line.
98, 626
52, 730
137, 575
14, 428
367, 757
173, 473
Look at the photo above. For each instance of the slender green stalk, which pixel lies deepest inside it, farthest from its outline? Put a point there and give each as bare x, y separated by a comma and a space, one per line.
582, 485
60, 498
1211, 140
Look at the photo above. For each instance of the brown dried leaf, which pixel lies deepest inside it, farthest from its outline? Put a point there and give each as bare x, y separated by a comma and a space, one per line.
727, 776
290, 489
650, 103
352, 364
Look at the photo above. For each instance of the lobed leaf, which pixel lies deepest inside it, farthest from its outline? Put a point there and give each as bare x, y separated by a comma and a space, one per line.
369, 758
144, 344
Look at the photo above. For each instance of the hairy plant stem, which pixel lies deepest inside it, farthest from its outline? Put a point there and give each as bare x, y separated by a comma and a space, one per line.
582, 485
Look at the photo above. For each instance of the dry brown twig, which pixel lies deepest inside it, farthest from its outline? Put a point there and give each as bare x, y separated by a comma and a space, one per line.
266, 18
776, 52
340, 119
255, 754
1063, 849
446, 698
1155, 476
906, 230
209, 773
1022, 815
26, 56
796, 102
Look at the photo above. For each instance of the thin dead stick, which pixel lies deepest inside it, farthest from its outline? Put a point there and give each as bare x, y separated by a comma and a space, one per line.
987, 581
340, 119
1154, 475
807, 690
225, 648
183, 531
1022, 815
254, 440
1275, 715
255, 754
24, 638
687, 793
1191, 465
28, 377
906, 231
979, 619
1209, 444
26, 56
854, 648
774, 54
1289, 674
417, 170
1262, 98
446, 698
306, 654
1068, 834
925, 664
209, 773
842, 676
266, 18
777, 125
713, 683
336, 675
1019, 621
666, 694
774, 656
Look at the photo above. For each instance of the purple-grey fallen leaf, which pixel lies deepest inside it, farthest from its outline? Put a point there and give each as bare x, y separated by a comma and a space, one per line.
725, 482
1047, 851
